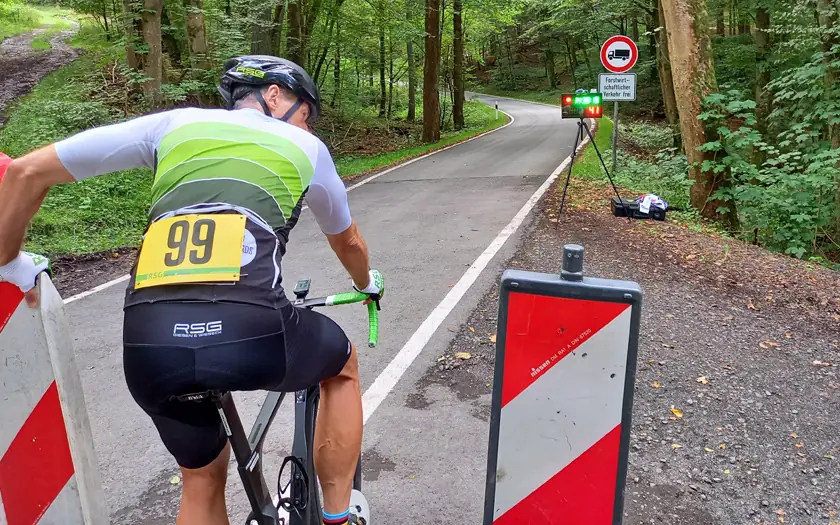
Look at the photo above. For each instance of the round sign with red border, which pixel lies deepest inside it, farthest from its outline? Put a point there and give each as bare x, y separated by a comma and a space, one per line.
619, 54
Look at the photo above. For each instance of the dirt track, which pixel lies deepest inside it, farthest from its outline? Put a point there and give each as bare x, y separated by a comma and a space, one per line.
23, 67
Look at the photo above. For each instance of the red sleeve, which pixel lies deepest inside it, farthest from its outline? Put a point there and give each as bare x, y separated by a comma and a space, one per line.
5, 160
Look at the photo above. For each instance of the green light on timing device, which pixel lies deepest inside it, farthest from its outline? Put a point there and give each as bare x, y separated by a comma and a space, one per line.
580, 105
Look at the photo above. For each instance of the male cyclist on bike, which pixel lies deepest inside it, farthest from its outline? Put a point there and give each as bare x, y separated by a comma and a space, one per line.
204, 308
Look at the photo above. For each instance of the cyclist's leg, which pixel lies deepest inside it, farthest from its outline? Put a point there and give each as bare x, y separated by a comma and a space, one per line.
318, 351
203, 493
338, 435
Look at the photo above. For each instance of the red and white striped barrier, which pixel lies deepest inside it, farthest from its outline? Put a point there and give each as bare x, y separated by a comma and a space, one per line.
48, 468
560, 426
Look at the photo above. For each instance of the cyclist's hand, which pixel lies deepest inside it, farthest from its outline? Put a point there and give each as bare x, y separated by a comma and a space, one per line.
375, 288
23, 272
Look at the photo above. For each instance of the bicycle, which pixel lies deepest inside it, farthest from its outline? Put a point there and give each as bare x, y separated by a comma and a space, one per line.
300, 498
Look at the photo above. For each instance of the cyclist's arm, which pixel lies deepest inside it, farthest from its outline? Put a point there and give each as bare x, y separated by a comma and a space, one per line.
94, 152
21, 192
327, 198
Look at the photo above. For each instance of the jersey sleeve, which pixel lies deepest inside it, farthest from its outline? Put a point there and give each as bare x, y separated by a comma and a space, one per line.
327, 195
115, 147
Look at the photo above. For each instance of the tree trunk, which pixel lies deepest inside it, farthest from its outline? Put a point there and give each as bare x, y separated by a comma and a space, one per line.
382, 94
294, 43
666, 79
132, 32
458, 66
105, 21
412, 82
228, 11
337, 67
261, 27
308, 19
763, 96
572, 64
390, 74
152, 61
720, 26
635, 30
431, 96
324, 51
651, 24
170, 44
277, 27
196, 33
549, 67
692, 62
587, 61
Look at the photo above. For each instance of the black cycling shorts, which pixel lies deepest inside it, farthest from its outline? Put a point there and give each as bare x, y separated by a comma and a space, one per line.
171, 349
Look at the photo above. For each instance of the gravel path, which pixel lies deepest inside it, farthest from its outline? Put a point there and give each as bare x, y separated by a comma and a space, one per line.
743, 342
23, 67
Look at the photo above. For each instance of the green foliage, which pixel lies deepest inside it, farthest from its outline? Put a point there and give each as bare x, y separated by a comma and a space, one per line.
789, 198
664, 174
647, 136
17, 17
735, 59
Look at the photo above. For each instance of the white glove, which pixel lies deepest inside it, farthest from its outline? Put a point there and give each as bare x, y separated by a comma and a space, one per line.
376, 285
23, 271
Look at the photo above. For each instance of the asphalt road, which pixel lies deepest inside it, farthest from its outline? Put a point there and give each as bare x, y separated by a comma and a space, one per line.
425, 223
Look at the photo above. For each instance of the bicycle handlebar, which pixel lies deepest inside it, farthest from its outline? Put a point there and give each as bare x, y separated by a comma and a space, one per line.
373, 311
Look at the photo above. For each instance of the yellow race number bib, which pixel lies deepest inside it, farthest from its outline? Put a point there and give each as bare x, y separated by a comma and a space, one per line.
191, 249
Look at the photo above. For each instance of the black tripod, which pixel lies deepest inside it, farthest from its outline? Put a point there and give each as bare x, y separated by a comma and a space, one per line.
578, 137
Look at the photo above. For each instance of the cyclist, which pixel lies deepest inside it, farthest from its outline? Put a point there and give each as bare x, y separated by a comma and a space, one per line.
204, 308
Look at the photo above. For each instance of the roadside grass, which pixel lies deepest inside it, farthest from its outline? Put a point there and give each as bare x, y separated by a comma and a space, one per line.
109, 212
478, 118
664, 175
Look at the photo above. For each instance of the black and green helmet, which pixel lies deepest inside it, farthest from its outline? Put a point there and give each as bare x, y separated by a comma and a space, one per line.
264, 70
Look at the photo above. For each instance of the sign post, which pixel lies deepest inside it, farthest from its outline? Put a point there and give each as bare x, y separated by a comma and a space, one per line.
562, 397
618, 55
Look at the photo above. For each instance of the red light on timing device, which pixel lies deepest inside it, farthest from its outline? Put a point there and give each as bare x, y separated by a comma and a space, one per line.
567, 100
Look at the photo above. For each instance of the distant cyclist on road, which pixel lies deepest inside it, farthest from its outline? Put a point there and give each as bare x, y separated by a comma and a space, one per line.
204, 308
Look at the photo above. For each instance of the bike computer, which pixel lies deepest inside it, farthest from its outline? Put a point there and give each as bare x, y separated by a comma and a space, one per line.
302, 288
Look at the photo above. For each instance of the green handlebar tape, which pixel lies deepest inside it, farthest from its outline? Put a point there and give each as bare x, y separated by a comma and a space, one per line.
373, 325
373, 312
347, 298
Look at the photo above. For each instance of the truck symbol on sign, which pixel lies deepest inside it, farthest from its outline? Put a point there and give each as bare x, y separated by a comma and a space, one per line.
622, 54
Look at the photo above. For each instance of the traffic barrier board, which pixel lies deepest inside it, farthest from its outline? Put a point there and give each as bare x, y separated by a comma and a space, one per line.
48, 469
562, 397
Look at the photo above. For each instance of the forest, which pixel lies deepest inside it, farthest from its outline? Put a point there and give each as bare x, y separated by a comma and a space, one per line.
736, 122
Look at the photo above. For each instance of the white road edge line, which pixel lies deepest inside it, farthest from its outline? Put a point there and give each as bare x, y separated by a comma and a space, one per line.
96, 289
124, 278
388, 379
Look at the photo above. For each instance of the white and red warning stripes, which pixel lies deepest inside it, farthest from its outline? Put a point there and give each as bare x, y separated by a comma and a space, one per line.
39, 482
563, 387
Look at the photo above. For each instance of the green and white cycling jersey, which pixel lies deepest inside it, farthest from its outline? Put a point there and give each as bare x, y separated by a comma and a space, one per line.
218, 161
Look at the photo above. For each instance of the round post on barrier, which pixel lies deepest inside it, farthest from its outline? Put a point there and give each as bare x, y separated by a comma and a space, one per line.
572, 263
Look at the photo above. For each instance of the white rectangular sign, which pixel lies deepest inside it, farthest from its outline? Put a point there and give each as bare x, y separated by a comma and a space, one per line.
617, 87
